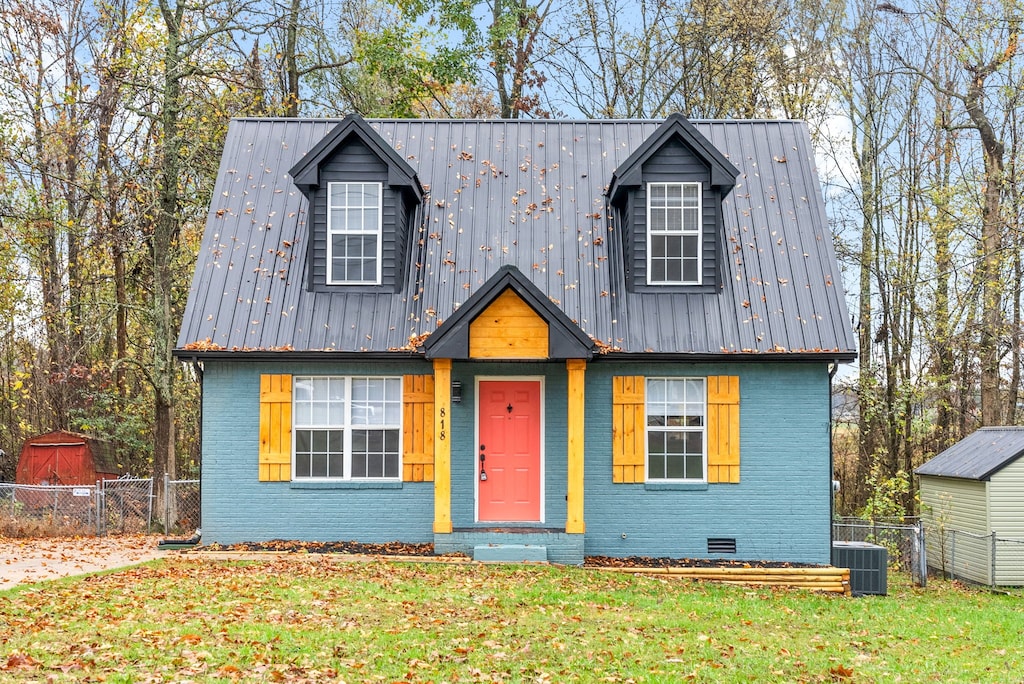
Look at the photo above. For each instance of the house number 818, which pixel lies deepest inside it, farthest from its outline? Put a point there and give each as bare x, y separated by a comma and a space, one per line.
442, 435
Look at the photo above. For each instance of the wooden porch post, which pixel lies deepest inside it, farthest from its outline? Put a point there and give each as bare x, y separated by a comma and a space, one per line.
442, 446
574, 523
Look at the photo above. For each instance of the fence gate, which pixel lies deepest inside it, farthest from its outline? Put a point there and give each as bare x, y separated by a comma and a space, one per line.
904, 541
181, 506
125, 505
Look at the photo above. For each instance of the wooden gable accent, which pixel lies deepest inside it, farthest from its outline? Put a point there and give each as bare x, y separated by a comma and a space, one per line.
275, 455
418, 428
723, 429
521, 304
628, 432
508, 329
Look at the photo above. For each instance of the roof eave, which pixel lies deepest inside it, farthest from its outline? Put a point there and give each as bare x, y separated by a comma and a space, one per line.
737, 357
189, 355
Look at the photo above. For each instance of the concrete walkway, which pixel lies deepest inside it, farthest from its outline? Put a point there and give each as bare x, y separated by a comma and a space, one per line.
24, 561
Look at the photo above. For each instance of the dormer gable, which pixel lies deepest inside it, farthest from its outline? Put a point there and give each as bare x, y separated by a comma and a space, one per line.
667, 199
508, 318
363, 198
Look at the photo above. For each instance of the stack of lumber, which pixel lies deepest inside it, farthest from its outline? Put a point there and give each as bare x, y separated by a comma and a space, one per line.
824, 579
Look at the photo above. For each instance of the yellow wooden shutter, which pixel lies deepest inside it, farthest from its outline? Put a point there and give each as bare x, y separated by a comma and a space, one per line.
723, 428
275, 428
628, 428
418, 428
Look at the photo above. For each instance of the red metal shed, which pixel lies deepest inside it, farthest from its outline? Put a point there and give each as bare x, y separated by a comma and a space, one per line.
66, 458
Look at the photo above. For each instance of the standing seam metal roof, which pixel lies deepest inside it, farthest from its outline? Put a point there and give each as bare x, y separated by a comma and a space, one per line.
978, 456
529, 194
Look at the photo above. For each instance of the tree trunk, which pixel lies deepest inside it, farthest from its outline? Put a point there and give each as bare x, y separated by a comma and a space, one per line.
290, 57
942, 228
867, 381
990, 268
165, 233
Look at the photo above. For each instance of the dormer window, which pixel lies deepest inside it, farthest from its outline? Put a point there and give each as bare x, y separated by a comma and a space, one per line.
354, 233
667, 197
674, 233
363, 201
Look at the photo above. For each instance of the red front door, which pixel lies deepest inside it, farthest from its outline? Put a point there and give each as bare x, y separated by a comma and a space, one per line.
510, 449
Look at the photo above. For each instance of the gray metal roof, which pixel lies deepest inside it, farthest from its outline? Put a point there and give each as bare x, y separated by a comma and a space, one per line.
978, 456
529, 194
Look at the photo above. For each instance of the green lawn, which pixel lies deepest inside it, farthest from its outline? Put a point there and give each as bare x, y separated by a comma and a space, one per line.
202, 620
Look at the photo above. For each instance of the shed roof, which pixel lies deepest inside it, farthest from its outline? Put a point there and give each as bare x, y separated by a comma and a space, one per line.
528, 194
978, 456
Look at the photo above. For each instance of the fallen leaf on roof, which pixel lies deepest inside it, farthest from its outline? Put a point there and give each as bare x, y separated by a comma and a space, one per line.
604, 347
203, 345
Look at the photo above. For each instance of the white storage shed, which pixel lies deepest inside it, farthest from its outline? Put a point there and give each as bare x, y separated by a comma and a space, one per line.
972, 504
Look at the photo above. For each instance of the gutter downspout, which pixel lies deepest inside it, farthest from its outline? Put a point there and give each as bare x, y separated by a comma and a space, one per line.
833, 369
197, 366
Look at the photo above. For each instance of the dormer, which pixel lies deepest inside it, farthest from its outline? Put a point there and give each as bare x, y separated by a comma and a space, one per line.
362, 203
667, 201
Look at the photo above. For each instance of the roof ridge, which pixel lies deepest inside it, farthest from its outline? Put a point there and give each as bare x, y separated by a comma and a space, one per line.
338, 119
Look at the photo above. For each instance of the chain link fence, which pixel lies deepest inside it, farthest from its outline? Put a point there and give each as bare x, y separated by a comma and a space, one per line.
121, 506
126, 505
1009, 564
916, 546
904, 539
980, 558
63, 509
181, 507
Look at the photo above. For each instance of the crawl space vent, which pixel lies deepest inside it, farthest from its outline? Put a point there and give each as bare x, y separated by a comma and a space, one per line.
721, 545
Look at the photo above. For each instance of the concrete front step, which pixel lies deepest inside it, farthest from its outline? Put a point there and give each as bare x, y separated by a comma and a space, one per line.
510, 553
561, 548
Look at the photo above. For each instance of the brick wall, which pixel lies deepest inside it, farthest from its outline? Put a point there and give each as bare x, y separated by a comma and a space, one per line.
237, 507
778, 511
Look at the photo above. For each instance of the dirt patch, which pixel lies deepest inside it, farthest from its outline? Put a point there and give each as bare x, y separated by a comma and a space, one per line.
346, 547
645, 562
23, 561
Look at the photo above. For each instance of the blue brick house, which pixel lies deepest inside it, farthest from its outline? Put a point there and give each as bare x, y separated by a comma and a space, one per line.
584, 337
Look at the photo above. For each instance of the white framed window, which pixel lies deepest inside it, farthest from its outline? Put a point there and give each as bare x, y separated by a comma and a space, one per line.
354, 233
673, 233
347, 428
676, 411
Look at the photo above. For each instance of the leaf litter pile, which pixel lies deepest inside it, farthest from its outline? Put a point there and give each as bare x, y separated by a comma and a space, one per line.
425, 550
343, 547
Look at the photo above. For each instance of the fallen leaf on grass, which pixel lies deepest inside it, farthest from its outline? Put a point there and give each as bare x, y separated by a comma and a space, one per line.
19, 661
840, 673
